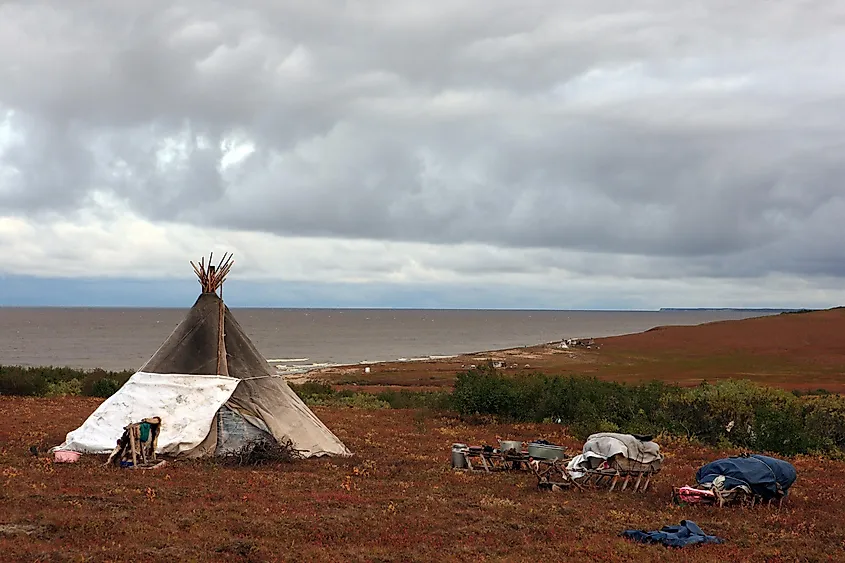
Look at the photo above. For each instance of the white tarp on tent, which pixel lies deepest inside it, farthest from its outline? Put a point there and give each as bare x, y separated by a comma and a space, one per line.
186, 405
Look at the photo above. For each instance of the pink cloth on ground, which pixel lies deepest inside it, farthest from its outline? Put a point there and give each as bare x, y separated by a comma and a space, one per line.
688, 494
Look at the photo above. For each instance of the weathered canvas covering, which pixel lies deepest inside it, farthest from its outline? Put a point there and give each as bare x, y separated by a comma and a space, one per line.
257, 394
185, 403
234, 430
625, 451
285, 415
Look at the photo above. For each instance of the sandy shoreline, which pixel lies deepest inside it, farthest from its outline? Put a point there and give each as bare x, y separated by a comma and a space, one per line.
520, 358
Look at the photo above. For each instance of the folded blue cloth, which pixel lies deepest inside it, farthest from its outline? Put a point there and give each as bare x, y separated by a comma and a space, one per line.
687, 533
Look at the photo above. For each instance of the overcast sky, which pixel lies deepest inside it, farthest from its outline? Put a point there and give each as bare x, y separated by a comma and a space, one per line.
480, 153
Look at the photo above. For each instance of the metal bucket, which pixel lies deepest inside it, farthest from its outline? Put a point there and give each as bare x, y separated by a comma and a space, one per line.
458, 459
546, 451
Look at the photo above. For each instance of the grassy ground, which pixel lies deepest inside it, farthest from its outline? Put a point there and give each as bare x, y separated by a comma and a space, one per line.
396, 500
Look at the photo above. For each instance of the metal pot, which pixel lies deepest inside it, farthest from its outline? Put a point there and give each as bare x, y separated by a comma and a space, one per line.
458, 458
546, 451
506, 445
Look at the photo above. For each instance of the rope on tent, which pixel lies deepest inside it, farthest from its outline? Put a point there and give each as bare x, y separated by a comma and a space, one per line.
262, 377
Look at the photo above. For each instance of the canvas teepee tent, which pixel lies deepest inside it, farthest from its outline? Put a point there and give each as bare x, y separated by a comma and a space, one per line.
212, 389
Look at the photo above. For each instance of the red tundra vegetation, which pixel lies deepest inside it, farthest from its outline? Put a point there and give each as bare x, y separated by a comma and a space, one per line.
396, 500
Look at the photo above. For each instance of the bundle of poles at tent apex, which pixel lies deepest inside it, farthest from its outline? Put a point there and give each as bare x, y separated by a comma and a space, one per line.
211, 277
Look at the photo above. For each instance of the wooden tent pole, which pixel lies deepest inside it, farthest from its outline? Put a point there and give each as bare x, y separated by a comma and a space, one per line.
222, 364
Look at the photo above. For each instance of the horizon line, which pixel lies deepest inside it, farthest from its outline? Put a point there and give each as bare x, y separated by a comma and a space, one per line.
384, 308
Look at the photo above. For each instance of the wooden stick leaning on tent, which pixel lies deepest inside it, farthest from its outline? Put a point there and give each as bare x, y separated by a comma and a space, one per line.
130, 446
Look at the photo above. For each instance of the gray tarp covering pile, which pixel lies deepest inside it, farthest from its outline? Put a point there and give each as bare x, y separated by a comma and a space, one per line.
620, 451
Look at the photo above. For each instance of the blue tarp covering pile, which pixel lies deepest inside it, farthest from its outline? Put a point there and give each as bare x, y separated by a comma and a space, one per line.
764, 476
688, 533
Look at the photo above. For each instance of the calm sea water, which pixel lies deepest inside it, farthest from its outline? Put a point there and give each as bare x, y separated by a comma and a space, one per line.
296, 338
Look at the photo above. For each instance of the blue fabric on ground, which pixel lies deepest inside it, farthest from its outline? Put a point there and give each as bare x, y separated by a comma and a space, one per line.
688, 533
764, 475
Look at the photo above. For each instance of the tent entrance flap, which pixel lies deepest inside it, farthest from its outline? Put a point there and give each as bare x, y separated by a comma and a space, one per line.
234, 431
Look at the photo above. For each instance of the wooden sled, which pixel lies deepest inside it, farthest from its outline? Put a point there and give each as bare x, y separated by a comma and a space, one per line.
552, 475
489, 461
610, 479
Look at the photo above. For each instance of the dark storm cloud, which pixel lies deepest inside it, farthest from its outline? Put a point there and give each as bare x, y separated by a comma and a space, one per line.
663, 139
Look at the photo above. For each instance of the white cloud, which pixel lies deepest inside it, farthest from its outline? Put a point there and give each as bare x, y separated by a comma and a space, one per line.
115, 243
662, 152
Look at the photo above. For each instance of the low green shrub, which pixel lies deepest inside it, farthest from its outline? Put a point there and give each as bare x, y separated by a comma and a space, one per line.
742, 413
363, 401
53, 381
572, 400
312, 389
17, 381
322, 394
824, 422
64, 388
105, 387
346, 399
484, 391
730, 413
102, 383
432, 400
